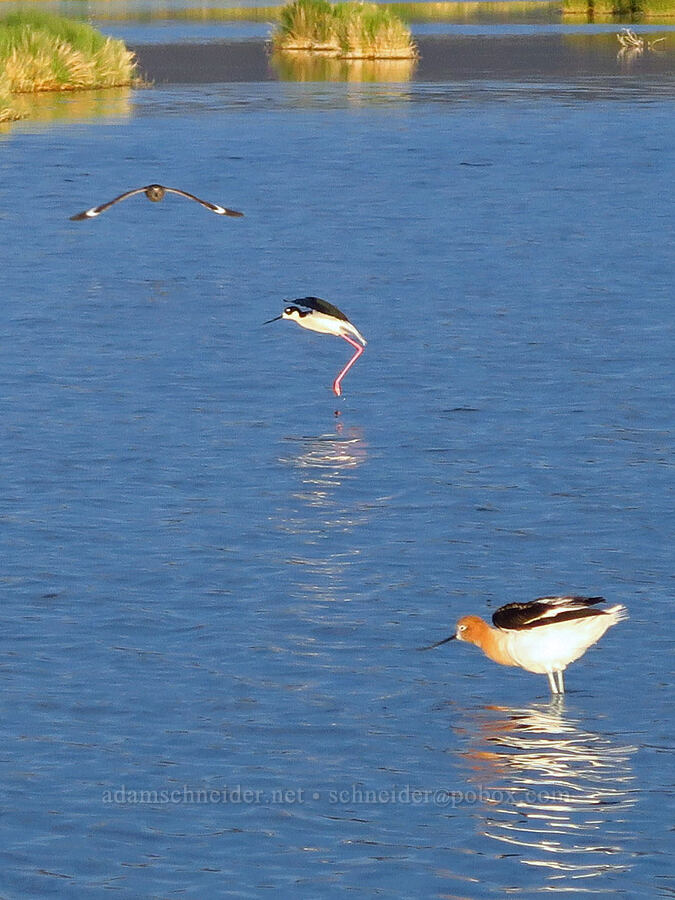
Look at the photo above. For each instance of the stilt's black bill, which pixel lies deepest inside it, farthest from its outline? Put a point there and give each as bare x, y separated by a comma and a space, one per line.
438, 643
275, 319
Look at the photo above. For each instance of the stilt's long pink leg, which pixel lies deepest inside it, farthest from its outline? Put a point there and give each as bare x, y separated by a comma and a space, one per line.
359, 350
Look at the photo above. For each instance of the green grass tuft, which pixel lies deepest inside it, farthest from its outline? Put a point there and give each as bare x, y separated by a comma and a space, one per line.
7, 111
307, 24
78, 35
43, 52
350, 30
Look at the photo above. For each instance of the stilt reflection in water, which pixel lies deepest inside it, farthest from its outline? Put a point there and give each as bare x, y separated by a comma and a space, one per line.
324, 463
321, 521
552, 793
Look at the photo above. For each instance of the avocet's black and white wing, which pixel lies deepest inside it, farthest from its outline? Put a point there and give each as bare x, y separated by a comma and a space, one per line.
545, 611
97, 210
214, 207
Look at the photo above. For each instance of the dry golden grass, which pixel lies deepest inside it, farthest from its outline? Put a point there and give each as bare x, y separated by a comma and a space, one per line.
40, 62
7, 111
349, 30
372, 32
39, 52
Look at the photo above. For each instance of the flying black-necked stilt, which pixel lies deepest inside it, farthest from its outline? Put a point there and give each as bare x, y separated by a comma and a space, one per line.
542, 636
155, 193
319, 315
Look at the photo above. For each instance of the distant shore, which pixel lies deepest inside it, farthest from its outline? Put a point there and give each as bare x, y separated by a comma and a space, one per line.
620, 11
458, 11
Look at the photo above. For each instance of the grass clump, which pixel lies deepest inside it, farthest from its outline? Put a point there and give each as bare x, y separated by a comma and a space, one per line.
307, 25
7, 111
368, 31
350, 30
43, 52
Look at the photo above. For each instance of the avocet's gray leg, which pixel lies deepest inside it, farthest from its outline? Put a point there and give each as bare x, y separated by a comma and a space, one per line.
551, 681
561, 683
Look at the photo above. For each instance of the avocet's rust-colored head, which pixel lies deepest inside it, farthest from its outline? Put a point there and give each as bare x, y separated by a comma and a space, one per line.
471, 629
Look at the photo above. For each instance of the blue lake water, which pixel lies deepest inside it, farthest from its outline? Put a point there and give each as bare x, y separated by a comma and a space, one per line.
214, 587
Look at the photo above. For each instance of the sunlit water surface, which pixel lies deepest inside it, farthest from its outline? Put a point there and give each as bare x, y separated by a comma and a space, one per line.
214, 586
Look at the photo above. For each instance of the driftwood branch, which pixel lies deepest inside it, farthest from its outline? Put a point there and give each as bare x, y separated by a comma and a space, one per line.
630, 41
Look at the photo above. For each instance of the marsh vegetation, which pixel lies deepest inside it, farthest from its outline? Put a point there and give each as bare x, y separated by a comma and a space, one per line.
43, 52
459, 11
348, 30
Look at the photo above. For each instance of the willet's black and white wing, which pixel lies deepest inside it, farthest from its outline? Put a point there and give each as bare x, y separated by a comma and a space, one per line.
155, 192
214, 207
97, 210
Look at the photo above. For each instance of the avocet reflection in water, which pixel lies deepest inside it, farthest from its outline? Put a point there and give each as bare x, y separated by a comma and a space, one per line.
553, 793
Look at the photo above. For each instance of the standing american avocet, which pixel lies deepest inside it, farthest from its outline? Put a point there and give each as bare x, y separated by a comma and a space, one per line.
319, 315
542, 636
154, 193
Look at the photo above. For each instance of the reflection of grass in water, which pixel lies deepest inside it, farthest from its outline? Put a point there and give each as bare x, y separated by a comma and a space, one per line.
310, 67
356, 30
43, 52
81, 106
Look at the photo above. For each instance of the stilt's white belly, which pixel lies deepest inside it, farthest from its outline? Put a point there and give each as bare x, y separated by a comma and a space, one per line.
329, 325
322, 324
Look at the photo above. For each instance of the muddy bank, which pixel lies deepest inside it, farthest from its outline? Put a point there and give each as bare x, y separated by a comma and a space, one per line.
442, 58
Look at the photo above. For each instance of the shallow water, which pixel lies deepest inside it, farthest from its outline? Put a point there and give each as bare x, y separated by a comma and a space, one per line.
538, 58
214, 587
